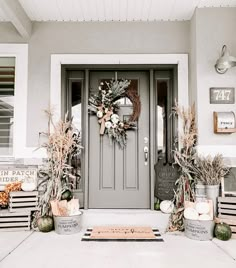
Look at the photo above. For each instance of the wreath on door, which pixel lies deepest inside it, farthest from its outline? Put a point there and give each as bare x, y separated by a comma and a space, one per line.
105, 104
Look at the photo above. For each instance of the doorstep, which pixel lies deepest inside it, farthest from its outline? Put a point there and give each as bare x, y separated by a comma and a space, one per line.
125, 217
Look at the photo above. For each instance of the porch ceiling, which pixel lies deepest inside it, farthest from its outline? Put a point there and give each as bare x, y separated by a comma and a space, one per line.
114, 10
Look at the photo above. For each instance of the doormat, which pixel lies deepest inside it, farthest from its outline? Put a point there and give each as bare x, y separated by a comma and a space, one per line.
122, 234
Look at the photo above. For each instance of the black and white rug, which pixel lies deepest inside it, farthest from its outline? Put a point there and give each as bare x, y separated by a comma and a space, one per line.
122, 234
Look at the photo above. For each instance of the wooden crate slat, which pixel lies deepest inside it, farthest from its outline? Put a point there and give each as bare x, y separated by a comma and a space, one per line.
14, 224
15, 200
223, 216
233, 235
26, 204
22, 193
19, 219
227, 211
23, 209
15, 229
227, 199
6, 213
233, 228
228, 221
220, 205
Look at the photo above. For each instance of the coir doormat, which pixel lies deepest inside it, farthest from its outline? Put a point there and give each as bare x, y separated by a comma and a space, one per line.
122, 234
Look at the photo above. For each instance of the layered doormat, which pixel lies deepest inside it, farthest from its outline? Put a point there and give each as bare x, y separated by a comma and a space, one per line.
122, 234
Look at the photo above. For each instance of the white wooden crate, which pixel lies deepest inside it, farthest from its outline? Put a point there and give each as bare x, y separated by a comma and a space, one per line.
227, 212
23, 201
227, 207
17, 221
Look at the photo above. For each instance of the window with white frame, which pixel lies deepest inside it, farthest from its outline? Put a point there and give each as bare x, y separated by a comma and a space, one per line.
7, 92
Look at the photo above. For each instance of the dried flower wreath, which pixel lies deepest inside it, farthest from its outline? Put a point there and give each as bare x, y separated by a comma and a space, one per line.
106, 106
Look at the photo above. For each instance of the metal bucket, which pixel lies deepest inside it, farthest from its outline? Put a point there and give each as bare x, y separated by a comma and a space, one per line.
68, 224
199, 230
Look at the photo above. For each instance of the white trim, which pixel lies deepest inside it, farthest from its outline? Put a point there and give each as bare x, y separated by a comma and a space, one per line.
226, 150
58, 59
20, 52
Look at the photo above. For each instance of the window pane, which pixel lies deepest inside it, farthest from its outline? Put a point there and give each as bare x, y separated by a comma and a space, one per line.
7, 84
161, 118
76, 91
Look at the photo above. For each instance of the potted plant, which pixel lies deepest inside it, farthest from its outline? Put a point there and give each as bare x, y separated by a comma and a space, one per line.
61, 143
209, 171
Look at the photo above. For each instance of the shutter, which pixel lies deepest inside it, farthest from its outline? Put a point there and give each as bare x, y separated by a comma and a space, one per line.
7, 81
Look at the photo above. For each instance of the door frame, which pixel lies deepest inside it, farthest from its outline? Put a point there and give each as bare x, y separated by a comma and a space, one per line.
57, 84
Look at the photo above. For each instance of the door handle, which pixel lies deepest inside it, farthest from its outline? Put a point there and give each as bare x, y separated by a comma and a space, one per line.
145, 149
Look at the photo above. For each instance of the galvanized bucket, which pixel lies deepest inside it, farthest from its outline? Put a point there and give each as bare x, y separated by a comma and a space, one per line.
68, 224
199, 230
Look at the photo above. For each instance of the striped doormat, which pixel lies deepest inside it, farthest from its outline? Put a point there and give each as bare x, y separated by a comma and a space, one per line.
122, 234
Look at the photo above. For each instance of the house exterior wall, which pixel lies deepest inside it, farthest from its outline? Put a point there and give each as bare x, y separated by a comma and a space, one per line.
110, 37
202, 38
211, 29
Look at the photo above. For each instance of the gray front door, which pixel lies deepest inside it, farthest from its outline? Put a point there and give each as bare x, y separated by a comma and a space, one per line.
120, 178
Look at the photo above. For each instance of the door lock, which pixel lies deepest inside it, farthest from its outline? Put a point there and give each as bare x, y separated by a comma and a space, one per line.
145, 149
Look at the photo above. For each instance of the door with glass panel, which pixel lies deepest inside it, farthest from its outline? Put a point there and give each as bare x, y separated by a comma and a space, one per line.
119, 178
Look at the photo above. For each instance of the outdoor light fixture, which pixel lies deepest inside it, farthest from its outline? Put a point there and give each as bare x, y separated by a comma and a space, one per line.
225, 61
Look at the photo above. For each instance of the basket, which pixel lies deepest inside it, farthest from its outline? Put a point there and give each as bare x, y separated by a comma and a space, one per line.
66, 225
199, 230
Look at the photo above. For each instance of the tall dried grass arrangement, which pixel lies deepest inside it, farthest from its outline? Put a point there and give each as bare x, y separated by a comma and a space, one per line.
210, 170
184, 158
61, 143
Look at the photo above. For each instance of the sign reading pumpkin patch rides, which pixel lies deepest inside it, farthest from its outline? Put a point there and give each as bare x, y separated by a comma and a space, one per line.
10, 175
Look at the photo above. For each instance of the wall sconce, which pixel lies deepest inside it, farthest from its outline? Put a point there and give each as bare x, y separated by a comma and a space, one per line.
225, 61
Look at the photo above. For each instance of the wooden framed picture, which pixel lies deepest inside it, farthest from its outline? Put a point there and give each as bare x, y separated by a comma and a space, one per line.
222, 95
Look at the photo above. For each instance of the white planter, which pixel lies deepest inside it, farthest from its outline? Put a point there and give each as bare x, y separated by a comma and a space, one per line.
212, 192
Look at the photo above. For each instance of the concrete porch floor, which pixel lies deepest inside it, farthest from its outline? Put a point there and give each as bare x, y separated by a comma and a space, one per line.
44, 250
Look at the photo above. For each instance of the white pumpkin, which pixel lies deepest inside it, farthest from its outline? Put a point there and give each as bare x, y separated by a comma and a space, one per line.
167, 206
202, 207
28, 186
204, 217
190, 214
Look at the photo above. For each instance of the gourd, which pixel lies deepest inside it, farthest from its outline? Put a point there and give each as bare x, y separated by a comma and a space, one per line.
190, 214
66, 195
223, 231
167, 206
157, 205
202, 207
45, 224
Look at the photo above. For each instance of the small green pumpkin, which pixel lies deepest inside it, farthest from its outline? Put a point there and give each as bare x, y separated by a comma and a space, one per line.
66, 195
45, 224
223, 231
157, 205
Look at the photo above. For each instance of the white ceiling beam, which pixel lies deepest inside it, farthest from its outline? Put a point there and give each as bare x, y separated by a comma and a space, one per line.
18, 17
